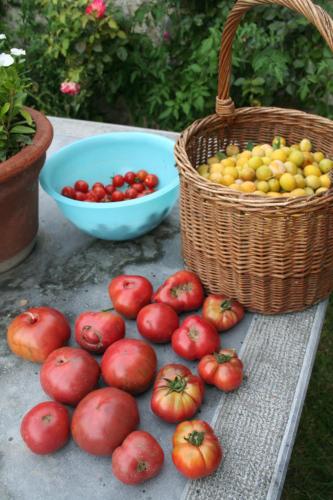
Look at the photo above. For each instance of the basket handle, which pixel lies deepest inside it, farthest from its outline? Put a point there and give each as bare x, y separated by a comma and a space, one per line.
315, 14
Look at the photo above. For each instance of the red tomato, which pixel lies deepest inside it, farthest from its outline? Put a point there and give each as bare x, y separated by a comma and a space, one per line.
99, 192
183, 291
97, 184
69, 374
224, 313
157, 322
69, 192
79, 196
177, 393
45, 428
129, 178
130, 365
95, 331
141, 175
223, 369
129, 294
91, 197
118, 180
138, 186
109, 189
82, 186
35, 333
139, 458
130, 194
103, 419
151, 180
195, 338
196, 450
117, 196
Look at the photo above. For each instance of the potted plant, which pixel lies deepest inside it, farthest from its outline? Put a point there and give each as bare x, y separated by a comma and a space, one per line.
25, 135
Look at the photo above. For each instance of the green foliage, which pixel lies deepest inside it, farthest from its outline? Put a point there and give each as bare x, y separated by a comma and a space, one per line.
158, 66
16, 125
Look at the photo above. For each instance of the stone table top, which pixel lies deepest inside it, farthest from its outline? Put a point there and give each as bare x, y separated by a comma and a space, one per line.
256, 425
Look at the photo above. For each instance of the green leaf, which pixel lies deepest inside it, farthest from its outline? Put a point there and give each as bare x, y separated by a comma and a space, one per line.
112, 24
4, 109
122, 53
220, 155
121, 34
22, 129
250, 146
26, 116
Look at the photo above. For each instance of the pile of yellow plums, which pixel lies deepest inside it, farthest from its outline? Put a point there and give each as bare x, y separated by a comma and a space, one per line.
271, 169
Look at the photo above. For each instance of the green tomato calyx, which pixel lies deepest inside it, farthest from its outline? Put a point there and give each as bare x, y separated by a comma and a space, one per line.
222, 358
178, 384
196, 438
226, 305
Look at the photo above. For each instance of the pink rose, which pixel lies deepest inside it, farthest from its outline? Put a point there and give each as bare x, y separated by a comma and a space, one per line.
96, 7
71, 88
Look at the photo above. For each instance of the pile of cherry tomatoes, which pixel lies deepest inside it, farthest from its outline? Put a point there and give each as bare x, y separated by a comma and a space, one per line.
139, 184
104, 421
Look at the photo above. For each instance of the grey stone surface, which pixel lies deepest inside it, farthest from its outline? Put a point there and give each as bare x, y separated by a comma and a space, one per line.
70, 271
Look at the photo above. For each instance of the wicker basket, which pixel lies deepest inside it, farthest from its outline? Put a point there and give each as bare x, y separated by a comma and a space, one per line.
273, 254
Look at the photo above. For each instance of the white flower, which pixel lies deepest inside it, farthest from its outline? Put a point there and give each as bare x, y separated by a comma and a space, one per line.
2, 36
17, 52
6, 59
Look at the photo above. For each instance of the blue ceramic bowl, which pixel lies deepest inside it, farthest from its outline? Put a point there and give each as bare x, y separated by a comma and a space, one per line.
98, 158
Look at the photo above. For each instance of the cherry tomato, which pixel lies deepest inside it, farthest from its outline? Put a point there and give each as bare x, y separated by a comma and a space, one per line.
91, 197
195, 338
69, 192
103, 419
109, 188
69, 374
106, 199
35, 333
99, 192
177, 393
183, 291
97, 184
129, 178
138, 186
196, 450
141, 175
82, 186
223, 369
151, 180
129, 294
157, 322
130, 194
118, 180
138, 458
222, 312
79, 196
45, 428
130, 365
95, 331
117, 196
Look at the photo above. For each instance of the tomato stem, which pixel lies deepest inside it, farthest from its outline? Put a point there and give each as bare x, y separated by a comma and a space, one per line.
33, 317
225, 305
178, 384
222, 358
107, 310
196, 438
176, 291
141, 466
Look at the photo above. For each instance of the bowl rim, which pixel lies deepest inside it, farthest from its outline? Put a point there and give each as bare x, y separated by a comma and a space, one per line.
48, 188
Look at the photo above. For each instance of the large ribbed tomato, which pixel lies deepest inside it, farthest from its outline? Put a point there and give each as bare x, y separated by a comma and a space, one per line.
103, 419
96, 331
222, 312
196, 450
195, 338
223, 369
35, 333
182, 291
138, 458
130, 365
177, 393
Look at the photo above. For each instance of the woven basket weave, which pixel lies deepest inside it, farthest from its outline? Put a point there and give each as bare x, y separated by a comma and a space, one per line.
272, 254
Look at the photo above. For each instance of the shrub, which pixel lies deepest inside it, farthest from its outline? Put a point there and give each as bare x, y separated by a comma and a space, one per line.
158, 66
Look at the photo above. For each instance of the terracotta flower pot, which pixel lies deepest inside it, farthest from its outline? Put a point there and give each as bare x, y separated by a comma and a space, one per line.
19, 195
